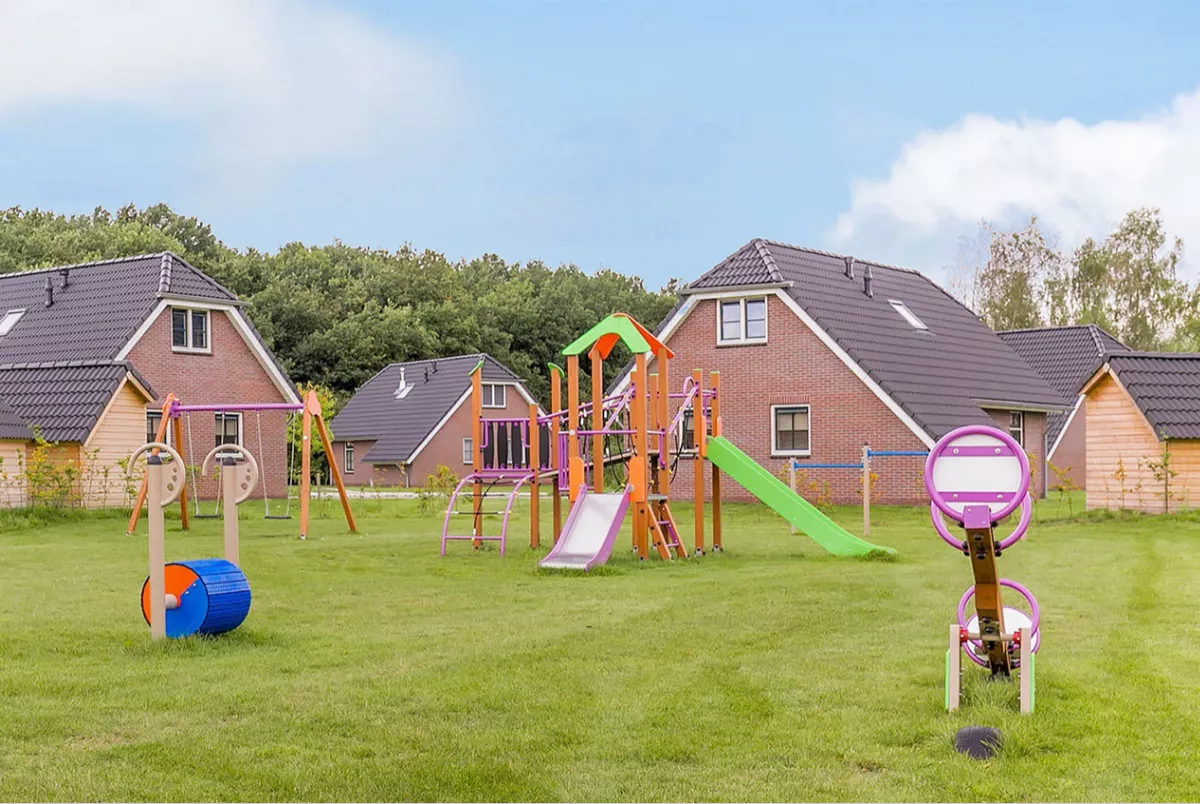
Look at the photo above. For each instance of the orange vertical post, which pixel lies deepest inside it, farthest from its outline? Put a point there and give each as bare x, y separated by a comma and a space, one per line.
700, 429
638, 414
535, 489
555, 407
664, 418
177, 437
597, 420
652, 383
574, 464
477, 452
159, 435
714, 381
314, 404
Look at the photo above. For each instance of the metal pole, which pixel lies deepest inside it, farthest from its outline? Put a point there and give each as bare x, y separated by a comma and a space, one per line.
866, 489
792, 482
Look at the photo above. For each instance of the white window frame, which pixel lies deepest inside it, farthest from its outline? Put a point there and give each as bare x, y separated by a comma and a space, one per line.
10, 320
503, 396
241, 433
348, 458
908, 315
189, 349
170, 425
790, 453
1017, 417
468, 451
742, 338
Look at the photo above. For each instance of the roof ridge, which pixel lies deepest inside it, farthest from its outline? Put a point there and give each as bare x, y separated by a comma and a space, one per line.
767, 257
1092, 330
1156, 355
164, 273
1046, 329
82, 363
173, 257
823, 253
88, 264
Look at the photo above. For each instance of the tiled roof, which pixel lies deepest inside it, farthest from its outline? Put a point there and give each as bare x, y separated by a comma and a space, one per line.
1065, 357
939, 376
11, 425
101, 306
1165, 387
398, 426
63, 400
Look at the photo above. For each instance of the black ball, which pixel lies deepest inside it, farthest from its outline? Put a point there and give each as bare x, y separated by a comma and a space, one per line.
978, 742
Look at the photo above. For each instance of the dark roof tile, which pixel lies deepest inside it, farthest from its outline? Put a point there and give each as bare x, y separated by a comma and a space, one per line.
63, 401
1165, 387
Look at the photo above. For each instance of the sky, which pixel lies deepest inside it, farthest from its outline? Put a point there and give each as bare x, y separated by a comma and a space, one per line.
653, 138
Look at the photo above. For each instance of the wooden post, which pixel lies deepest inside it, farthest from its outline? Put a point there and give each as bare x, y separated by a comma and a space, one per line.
988, 605
306, 468
572, 425
535, 488
792, 482
866, 489
953, 669
477, 453
1026, 673
640, 442
555, 407
700, 429
161, 434
597, 420
157, 528
714, 380
334, 472
229, 513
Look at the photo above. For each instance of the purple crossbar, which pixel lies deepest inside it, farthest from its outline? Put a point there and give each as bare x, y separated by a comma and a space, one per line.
177, 408
978, 496
979, 451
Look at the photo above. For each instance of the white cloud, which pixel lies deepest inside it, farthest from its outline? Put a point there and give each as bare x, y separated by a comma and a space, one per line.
1078, 179
265, 81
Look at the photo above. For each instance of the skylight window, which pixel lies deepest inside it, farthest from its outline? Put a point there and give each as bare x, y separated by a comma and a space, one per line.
9, 321
907, 314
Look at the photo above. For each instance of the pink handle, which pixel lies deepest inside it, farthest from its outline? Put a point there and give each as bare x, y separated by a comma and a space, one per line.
1018, 533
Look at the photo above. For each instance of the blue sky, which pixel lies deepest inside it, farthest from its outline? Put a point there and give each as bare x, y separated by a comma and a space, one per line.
653, 138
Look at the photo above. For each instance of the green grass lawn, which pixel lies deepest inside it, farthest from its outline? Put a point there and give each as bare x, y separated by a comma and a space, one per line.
370, 668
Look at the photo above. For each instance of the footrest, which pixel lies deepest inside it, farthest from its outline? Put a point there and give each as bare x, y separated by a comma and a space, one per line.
451, 538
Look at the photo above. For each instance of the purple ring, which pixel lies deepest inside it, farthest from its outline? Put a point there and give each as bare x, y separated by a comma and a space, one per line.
1035, 616
943, 443
1018, 533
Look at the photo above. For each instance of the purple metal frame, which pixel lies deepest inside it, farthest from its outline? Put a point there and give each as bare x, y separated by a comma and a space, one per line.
177, 408
1018, 533
517, 477
1011, 499
1034, 625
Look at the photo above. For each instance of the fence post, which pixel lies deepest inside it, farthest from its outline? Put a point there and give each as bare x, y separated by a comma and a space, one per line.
792, 482
866, 493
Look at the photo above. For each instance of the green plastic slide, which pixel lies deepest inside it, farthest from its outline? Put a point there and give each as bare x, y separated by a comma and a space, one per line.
775, 494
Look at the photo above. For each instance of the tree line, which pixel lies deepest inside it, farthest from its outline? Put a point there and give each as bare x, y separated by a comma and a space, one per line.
1128, 283
334, 315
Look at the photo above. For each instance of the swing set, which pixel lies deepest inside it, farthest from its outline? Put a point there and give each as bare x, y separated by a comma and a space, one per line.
310, 412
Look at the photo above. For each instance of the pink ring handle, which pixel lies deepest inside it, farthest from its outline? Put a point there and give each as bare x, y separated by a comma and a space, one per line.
1035, 615
939, 524
943, 444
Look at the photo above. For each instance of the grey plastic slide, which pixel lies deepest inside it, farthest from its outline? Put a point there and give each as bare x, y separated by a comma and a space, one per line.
590, 531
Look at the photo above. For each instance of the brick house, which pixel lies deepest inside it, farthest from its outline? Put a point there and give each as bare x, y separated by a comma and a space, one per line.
820, 354
412, 417
89, 351
1066, 357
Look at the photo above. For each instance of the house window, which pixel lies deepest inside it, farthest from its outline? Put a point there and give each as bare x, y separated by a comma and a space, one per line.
742, 321
468, 451
907, 314
348, 458
1016, 426
493, 396
153, 422
790, 433
228, 428
189, 330
9, 321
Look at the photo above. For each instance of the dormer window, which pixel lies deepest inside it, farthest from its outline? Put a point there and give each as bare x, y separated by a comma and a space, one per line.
907, 314
493, 396
9, 320
189, 330
742, 321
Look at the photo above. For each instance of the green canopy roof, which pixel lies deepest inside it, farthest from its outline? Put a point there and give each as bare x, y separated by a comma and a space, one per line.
617, 326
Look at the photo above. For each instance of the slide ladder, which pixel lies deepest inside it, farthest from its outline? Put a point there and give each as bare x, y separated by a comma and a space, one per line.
466, 489
776, 495
666, 534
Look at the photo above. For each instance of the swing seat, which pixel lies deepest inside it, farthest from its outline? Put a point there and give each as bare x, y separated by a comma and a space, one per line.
277, 516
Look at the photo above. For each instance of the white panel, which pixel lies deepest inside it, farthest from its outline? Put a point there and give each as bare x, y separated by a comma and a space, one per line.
1000, 474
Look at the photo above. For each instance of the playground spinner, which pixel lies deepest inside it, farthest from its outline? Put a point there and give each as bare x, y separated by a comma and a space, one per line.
978, 476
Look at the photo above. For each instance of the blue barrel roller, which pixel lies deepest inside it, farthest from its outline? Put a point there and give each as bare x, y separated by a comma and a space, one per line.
213, 597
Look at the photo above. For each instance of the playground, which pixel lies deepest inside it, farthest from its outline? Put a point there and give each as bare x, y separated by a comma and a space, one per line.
371, 668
